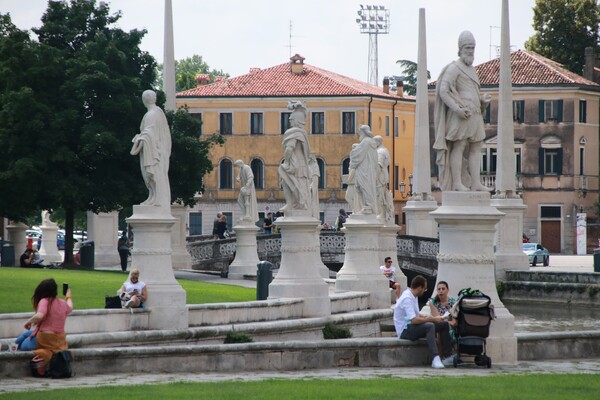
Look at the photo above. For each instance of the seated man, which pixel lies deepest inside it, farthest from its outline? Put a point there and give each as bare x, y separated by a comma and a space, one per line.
27, 260
390, 272
410, 325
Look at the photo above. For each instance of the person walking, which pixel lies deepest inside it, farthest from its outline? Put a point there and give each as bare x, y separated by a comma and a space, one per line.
123, 249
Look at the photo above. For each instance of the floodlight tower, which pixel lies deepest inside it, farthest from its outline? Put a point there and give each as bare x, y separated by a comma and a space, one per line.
374, 20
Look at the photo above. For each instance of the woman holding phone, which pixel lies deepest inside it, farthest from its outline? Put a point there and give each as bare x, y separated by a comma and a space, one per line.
49, 318
133, 291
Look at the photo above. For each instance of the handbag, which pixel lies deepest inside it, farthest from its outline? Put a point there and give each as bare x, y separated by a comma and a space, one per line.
112, 302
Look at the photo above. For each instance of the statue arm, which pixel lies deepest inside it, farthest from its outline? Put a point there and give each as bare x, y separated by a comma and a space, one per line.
449, 94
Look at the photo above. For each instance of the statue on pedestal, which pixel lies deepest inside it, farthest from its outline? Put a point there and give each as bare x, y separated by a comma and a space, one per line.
458, 121
153, 144
294, 172
362, 176
247, 196
385, 201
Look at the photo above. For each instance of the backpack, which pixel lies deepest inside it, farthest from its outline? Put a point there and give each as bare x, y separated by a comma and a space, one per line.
60, 365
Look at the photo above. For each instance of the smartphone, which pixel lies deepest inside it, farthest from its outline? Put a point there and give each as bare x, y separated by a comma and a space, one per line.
65, 288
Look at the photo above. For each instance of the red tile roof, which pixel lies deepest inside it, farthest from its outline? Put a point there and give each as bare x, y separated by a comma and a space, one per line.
280, 81
530, 68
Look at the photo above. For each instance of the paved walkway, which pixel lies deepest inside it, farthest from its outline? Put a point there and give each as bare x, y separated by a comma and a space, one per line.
540, 367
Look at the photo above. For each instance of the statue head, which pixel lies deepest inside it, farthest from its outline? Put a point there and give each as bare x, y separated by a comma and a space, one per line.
379, 140
149, 97
466, 47
239, 163
298, 116
365, 130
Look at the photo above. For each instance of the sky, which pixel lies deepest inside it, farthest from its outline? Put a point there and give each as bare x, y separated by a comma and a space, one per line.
236, 35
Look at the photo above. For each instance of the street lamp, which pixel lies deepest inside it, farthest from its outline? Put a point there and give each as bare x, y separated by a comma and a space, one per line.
403, 188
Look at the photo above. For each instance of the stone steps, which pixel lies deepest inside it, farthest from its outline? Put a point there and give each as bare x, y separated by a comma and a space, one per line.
552, 287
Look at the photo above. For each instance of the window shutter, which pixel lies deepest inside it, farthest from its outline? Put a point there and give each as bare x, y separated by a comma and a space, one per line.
541, 160
541, 110
559, 113
522, 111
487, 113
559, 161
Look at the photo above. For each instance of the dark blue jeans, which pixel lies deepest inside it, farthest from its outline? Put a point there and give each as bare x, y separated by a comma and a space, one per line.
428, 331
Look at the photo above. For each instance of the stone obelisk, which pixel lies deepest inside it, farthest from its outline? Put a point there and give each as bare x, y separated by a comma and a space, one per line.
417, 209
509, 253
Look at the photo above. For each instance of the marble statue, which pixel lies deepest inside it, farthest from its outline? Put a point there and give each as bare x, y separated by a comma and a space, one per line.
153, 144
247, 196
315, 174
294, 172
458, 121
362, 175
385, 201
46, 221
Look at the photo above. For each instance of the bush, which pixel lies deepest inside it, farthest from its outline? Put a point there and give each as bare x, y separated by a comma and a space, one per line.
332, 331
238, 337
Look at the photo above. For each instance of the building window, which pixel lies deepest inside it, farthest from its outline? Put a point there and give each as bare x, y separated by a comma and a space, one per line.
489, 160
550, 212
487, 116
321, 164
229, 216
387, 125
551, 110
519, 111
518, 160
345, 170
195, 223
583, 111
225, 174
226, 123
348, 124
258, 170
285, 121
550, 156
318, 123
256, 123
581, 159
396, 126
198, 117
396, 176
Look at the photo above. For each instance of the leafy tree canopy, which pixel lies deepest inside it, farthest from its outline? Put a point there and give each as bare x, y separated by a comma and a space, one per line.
563, 29
186, 71
409, 77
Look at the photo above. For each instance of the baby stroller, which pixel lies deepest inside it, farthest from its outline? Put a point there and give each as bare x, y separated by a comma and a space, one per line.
473, 313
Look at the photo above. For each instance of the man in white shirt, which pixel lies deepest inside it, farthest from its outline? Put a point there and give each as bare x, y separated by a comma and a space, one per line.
411, 326
390, 272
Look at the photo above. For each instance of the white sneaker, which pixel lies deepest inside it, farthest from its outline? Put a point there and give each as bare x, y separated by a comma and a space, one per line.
129, 303
448, 361
437, 363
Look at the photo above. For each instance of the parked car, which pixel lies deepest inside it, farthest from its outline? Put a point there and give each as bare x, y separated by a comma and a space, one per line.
537, 253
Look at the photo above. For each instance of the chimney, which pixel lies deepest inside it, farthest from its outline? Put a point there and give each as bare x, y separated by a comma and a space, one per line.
297, 64
590, 63
254, 70
220, 78
202, 79
400, 88
386, 85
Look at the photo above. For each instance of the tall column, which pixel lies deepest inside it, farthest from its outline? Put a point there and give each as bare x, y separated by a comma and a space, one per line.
298, 274
103, 229
417, 209
466, 260
169, 58
360, 271
180, 257
151, 254
509, 252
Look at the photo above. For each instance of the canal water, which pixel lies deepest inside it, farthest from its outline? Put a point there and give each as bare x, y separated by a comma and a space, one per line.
553, 317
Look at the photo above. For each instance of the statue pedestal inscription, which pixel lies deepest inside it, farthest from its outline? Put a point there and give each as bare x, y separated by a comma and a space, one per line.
467, 224
152, 255
298, 275
360, 271
246, 254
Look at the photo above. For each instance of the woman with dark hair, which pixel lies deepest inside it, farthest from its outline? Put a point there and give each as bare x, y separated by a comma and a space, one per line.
441, 303
49, 319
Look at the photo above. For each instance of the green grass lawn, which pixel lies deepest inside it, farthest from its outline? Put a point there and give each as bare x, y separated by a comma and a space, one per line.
538, 386
90, 287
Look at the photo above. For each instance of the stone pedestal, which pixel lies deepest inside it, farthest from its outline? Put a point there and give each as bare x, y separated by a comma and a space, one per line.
151, 253
388, 247
49, 250
180, 257
103, 229
467, 224
298, 274
16, 234
509, 237
418, 220
246, 252
360, 271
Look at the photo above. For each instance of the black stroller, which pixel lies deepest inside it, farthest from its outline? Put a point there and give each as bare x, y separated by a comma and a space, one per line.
473, 313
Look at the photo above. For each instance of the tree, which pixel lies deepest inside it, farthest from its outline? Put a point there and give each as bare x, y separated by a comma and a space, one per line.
186, 71
564, 28
409, 77
70, 104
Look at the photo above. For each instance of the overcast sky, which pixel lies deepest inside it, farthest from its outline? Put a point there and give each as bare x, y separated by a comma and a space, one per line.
236, 35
